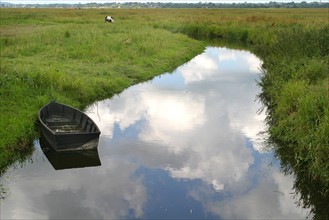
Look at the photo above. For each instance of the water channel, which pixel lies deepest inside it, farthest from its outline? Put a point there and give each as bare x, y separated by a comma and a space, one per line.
183, 145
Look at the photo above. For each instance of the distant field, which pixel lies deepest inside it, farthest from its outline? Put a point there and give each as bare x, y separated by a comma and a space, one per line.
73, 56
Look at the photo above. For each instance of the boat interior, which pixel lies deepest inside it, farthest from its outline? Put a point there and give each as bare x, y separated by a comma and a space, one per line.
63, 119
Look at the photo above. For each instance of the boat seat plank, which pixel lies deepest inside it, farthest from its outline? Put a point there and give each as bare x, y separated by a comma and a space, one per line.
67, 129
61, 124
56, 119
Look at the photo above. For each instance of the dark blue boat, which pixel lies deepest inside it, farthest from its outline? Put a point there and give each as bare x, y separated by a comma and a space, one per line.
67, 128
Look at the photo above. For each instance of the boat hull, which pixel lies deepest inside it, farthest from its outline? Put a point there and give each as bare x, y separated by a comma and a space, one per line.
67, 128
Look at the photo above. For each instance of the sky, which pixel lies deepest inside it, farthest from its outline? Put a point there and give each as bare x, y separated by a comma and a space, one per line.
122, 1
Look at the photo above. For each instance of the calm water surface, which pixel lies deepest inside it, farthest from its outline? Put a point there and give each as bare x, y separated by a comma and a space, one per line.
184, 145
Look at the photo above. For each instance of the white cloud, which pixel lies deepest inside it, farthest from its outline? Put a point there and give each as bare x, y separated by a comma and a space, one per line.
270, 199
197, 122
75, 193
200, 128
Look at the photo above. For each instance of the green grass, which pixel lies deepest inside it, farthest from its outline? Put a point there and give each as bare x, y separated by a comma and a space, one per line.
295, 90
74, 57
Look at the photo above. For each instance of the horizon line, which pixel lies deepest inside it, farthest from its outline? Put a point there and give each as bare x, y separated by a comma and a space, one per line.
82, 2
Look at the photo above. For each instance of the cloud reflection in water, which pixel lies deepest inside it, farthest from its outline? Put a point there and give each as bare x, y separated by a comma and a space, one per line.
183, 145
201, 123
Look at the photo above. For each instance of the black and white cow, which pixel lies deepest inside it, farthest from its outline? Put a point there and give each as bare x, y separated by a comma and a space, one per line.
109, 19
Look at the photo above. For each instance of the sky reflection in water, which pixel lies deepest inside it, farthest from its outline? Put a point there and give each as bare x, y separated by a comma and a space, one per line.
184, 145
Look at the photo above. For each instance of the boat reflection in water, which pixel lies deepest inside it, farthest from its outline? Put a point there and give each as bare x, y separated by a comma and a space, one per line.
69, 159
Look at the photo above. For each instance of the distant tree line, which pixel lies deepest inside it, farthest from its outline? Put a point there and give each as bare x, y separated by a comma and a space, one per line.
303, 4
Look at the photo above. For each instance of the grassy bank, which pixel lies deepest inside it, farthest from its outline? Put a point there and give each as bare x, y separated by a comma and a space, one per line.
296, 92
74, 57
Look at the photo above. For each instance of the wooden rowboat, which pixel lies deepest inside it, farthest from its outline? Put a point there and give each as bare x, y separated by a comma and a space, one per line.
67, 128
